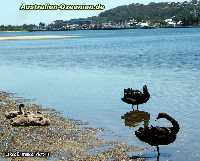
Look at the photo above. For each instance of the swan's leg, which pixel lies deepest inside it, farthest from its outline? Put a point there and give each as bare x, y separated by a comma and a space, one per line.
158, 158
132, 108
137, 107
158, 150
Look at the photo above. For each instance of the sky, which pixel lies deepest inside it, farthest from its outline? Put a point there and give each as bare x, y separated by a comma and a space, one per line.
11, 15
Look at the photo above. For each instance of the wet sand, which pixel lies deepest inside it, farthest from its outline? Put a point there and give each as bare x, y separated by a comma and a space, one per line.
64, 139
40, 37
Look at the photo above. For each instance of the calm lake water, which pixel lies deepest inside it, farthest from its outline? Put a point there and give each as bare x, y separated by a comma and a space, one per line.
84, 78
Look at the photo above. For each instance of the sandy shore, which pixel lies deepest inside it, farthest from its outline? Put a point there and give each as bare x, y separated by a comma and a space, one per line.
64, 139
40, 37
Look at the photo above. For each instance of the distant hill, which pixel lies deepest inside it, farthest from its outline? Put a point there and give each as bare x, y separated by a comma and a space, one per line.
188, 12
184, 13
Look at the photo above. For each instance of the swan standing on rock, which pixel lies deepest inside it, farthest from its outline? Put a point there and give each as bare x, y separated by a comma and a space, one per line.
136, 97
13, 114
156, 136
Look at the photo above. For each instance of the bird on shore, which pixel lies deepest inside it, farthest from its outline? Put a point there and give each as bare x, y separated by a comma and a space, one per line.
156, 136
13, 114
136, 97
30, 119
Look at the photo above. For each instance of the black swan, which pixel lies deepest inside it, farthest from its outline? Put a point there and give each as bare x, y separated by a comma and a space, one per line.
156, 136
133, 118
13, 114
136, 97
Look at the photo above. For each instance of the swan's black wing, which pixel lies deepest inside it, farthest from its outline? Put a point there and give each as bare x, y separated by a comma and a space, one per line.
156, 135
129, 100
132, 93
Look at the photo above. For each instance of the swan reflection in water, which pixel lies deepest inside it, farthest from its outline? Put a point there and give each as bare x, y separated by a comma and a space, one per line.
134, 118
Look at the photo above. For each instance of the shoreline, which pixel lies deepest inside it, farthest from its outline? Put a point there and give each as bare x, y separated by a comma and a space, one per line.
14, 31
64, 139
111, 28
37, 37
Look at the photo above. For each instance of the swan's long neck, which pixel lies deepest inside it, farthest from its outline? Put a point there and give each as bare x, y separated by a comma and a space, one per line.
146, 94
145, 91
20, 109
175, 125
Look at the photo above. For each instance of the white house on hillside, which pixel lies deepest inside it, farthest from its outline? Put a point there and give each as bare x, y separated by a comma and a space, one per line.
170, 22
